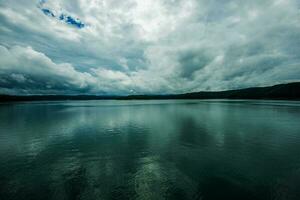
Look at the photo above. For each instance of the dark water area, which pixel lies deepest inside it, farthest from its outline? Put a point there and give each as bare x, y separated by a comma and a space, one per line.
169, 149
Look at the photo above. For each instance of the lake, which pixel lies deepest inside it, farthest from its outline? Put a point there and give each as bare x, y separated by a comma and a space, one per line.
155, 149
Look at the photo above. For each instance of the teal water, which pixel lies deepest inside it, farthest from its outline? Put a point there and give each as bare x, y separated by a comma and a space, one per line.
170, 149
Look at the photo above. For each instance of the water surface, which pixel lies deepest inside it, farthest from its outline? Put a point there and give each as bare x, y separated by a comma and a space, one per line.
169, 149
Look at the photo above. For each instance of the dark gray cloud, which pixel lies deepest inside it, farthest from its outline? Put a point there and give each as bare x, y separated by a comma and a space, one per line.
193, 61
147, 46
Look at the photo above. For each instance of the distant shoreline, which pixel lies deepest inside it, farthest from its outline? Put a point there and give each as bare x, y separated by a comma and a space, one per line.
289, 91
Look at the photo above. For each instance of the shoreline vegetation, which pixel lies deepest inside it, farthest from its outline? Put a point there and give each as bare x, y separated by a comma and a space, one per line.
288, 91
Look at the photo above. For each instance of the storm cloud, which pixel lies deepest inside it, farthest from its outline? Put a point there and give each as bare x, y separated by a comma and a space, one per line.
146, 46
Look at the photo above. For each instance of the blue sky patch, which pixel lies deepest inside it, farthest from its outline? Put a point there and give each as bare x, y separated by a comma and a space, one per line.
48, 12
72, 21
65, 18
75, 22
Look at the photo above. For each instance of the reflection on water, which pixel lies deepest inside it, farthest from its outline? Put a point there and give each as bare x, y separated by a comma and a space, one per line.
150, 150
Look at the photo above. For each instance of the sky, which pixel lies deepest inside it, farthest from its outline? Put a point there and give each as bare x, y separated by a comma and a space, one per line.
113, 47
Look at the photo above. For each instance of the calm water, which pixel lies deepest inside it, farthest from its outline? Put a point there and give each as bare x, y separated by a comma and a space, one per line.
150, 150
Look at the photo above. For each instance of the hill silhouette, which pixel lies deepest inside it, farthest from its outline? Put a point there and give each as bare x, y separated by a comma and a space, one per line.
289, 91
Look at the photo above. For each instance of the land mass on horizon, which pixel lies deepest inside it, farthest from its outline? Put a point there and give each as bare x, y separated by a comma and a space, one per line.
288, 91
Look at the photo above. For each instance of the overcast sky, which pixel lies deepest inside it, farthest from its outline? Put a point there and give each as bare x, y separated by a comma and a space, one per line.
146, 46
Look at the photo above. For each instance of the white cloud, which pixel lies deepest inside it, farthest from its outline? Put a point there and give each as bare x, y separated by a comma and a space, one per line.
30, 70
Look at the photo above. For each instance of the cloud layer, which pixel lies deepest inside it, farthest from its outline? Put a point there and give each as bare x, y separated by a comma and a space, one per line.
146, 46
